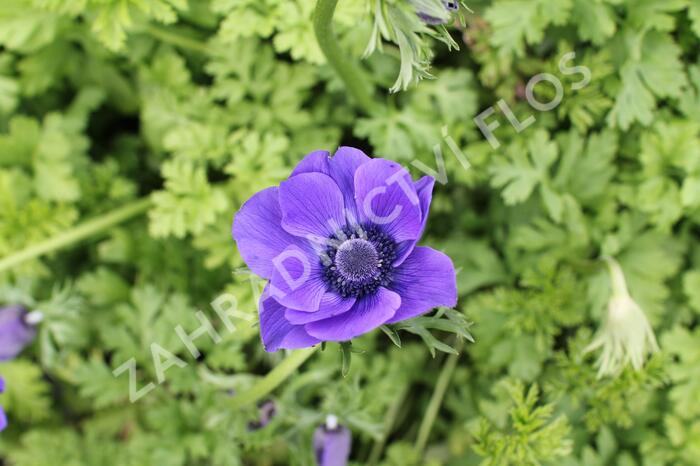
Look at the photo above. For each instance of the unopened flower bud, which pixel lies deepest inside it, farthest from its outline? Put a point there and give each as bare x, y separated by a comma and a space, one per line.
626, 336
332, 443
267, 411
17, 330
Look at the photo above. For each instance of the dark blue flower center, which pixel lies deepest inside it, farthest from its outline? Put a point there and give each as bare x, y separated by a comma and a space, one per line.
359, 261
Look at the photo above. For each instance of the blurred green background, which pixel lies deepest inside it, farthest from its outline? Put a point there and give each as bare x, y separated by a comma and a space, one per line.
156, 119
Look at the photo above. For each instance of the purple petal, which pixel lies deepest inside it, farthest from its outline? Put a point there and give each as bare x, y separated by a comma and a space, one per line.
332, 304
2, 385
297, 279
425, 281
276, 332
385, 195
367, 314
15, 333
343, 166
312, 206
332, 447
314, 162
257, 229
424, 189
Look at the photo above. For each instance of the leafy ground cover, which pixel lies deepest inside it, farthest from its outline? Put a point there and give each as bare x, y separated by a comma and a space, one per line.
131, 131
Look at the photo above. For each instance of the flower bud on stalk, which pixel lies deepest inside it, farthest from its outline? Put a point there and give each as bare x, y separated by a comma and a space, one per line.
17, 330
267, 411
332, 443
626, 336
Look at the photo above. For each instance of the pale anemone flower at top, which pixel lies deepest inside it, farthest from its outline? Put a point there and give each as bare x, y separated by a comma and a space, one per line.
434, 13
626, 336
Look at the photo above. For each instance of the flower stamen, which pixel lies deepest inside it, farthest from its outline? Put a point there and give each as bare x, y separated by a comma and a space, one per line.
361, 264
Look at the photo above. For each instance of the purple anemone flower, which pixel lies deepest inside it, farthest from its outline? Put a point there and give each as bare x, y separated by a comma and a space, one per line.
16, 331
3, 417
337, 242
332, 444
428, 16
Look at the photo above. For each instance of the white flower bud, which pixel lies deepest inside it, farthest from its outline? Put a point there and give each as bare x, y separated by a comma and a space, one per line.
626, 336
34, 318
331, 422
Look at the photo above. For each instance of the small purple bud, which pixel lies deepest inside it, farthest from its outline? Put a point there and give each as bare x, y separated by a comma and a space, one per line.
332, 443
266, 412
3, 418
16, 330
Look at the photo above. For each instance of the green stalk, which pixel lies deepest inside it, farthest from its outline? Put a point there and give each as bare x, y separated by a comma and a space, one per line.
436, 400
273, 379
389, 420
177, 40
76, 234
348, 71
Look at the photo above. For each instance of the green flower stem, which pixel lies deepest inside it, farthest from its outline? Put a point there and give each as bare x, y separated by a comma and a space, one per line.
348, 71
85, 230
178, 40
436, 400
389, 421
273, 379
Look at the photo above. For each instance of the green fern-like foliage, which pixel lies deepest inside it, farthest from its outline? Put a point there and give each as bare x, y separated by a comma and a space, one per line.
189, 107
